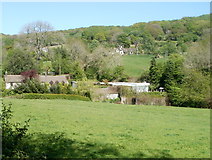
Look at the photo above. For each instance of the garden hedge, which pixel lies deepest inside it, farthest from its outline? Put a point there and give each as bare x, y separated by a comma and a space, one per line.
52, 96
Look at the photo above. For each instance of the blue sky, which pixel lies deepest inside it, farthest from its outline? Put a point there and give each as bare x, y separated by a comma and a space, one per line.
69, 15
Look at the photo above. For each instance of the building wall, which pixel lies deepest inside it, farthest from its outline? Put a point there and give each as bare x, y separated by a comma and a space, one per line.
8, 86
12, 85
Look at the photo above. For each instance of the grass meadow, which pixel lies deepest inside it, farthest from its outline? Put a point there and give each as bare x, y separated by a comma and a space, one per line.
135, 65
104, 130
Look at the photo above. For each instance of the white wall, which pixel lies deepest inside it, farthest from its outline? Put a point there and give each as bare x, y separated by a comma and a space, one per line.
112, 96
8, 86
14, 85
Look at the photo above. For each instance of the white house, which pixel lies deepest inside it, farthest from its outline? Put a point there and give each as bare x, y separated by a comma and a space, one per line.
12, 81
138, 87
125, 51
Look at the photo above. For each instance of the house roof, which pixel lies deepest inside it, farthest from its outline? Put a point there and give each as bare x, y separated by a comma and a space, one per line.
41, 78
125, 84
47, 79
13, 78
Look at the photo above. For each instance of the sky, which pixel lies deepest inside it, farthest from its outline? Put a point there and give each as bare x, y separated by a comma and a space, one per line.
70, 15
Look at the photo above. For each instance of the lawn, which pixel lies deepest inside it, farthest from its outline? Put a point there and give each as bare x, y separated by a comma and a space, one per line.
135, 65
102, 130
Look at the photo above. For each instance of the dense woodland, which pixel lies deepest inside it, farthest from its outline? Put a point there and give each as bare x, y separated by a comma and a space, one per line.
89, 53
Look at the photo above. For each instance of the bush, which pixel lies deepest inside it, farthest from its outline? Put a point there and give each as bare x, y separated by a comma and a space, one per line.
152, 98
12, 135
193, 92
52, 96
84, 88
117, 100
126, 91
8, 92
31, 86
183, 97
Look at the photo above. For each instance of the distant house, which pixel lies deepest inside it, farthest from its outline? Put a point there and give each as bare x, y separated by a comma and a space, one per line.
137, 87
112, 91
13, 81
126, 51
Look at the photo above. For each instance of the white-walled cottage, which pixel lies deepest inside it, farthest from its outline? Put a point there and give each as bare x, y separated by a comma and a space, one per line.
13, 81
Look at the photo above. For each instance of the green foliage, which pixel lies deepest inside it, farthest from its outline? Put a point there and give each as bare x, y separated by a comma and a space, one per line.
47, 66
7, 92
31, 86
52, 96
155, 74
78, 46
168, 48
12, 134
8, 42
19, 61
76, 72
193, 92
84, 88
173, 72
93, 44
60, 62
116, 100
60, 88
152, 98
144, 76
155, 30
198, 56
119, 74
148, 44
123, 39
126, 91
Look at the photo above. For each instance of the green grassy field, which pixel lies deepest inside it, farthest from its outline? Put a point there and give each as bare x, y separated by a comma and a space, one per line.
135, 65
102, 130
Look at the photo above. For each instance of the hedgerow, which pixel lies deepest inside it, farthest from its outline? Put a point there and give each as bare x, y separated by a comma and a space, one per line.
52, 96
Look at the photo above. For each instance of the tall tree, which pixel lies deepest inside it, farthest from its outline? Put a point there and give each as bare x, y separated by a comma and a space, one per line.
18, 61
198, 56
173, 73
153, 74
37, 36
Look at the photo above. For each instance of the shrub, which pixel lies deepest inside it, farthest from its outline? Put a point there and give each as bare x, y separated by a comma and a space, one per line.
152, 98
8, 92
183, 97
52, 96
55, 88
117, 100
84, 88
126, 91
31, 86
194, 92
12, 135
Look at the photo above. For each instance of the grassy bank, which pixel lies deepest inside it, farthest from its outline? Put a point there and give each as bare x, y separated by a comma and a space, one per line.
135, 65
112, 130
